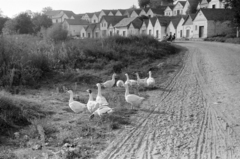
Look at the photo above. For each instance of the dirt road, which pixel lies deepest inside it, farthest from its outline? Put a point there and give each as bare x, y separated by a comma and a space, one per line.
195, 116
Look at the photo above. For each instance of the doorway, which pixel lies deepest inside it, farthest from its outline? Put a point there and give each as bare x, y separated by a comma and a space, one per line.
201, 31
188, 33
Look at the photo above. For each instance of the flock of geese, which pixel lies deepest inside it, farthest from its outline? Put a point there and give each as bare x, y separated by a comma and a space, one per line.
100, 106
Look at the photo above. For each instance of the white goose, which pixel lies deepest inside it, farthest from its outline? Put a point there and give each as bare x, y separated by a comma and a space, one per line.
91, 104
141, 82
130, 81
120, 83
132, 99
100, 99
76, 106
110, 83
150, 80
101, 111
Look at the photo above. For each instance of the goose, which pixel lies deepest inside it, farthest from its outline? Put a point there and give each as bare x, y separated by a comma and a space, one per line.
120, 83
109, 83
100, 99
130, 81
150, 80
76, 106
132, 99
101, 111
91, 104
141, 82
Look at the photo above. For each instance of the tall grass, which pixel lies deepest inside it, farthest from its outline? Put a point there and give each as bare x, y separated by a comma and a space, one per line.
16, 112
33, 59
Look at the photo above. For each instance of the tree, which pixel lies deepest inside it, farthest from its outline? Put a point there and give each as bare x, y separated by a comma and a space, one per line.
157, 3
143, 3
57, 33
235, 5
24, 23
40, 20
10, 27
2, 22
46, 9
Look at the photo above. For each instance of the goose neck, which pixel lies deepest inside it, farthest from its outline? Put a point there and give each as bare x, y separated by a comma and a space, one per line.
99, 91
71, 97
127, 91
90, 97
150, 74
138, 76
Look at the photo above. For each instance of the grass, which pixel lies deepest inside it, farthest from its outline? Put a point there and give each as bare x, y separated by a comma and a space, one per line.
76, 65
224, 39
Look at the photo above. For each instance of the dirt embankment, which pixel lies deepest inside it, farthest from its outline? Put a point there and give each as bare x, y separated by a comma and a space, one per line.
196, 113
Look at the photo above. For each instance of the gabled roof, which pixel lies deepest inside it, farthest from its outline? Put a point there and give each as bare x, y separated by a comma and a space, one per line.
217, 14
146, 22
182, 3
146, 9
97, 13
68, 13
76, 22
90, 15
113, 19
194, 3
122, 11
138, 11
92, 26
53, 12
108, 11
192, 16
137, 23
177, 19
158, 11
77, 16
153, 20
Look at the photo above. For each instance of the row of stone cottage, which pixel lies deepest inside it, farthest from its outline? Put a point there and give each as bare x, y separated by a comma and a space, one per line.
205, 23
161, 21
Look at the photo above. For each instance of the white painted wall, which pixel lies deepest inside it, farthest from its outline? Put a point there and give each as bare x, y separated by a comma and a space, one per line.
200, 20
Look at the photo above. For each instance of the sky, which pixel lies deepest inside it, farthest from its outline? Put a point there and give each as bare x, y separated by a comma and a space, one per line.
11, 8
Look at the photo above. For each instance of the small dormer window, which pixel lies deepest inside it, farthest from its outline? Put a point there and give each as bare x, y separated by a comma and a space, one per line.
214, 6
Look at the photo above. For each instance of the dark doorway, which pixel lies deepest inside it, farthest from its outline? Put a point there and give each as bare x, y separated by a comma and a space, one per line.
201, 31
188, 33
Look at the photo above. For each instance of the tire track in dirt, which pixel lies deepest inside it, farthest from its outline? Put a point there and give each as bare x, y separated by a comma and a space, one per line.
182, 123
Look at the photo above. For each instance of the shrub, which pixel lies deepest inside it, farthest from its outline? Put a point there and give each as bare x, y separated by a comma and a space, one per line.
33, 59
57, 33
17, 112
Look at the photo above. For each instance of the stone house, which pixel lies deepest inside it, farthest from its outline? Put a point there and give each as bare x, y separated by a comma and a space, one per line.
128, 26
74, 26
212, 22
108, 22
188, 26
180, 8
61, 16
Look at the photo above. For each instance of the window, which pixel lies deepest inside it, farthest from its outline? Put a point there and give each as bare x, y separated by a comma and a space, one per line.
157, 33
195, 27
214, 6
56, 21
83, 35
94, 21
150, 32
110, 33
89, 35
117, 32
96, 35
124, 33
180, 33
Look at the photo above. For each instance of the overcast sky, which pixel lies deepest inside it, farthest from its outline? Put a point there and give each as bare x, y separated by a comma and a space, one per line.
11, 8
